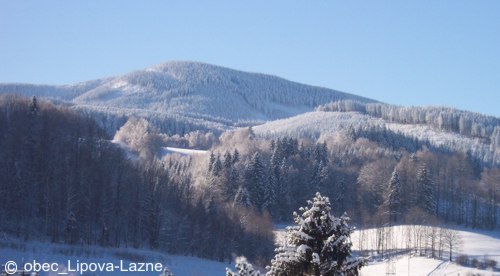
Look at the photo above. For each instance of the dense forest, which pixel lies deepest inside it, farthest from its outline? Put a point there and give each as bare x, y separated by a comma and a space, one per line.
372, 180
65, 179
483, 129
62, 180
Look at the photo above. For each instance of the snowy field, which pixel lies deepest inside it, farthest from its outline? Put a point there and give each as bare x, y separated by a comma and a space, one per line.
170, 150
21, 252
420, 266
478, 244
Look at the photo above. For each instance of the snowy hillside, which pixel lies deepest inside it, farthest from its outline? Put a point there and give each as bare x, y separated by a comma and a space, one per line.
476, 244
314, 124
19, 252
191, 91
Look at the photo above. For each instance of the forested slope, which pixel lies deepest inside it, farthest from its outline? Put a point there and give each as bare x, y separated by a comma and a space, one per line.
62, 180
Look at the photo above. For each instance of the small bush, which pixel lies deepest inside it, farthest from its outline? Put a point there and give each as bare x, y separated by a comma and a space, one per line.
462, 260
490, 263
474, 263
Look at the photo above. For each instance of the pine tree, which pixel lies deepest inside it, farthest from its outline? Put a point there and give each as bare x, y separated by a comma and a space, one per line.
392, 202
318, 176
228, 160
211, 162
236, 156
270, 193
426, 187
234, 180
256, 181
33, 107
217, 166
282, 190
242, 198
318, 245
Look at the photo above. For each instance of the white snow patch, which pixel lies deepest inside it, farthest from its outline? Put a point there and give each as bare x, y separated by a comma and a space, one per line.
170, 150
19, 252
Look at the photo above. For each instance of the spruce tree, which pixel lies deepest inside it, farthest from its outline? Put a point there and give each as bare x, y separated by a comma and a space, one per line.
228, 160
236, 156
426, 187
392, 202
217, 166
270, 193
211, 162
318, 245
256, 181
242, 198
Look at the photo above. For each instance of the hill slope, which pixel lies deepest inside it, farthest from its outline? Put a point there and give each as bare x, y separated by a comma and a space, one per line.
191, 91
313, 125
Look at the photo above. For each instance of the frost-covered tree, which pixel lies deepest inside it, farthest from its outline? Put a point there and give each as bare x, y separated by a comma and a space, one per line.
426, 198
318, 245
392, 202
270, 192
140, 136
256, 180
244, 268
217, 166
242, 198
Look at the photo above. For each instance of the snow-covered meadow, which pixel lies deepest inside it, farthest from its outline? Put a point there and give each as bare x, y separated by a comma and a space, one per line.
475, 244
22, 252
478, 244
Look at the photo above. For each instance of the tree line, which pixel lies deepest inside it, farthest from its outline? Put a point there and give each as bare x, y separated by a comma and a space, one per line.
470, 124
377, 183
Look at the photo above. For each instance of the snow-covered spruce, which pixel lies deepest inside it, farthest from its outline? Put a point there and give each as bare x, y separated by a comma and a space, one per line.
318, 245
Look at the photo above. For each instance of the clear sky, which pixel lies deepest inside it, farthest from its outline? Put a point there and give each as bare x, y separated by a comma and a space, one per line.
402, 52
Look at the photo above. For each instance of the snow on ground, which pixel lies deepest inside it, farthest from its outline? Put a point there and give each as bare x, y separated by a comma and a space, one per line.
479, 244
441, 138
313, 124
169, 150
476, 244
128, 152
420, 266
24, 252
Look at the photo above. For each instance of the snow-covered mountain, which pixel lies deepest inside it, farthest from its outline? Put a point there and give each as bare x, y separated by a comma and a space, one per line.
190, 91
179, 97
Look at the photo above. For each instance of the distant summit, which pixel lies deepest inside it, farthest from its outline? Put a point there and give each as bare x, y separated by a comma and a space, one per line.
193, 90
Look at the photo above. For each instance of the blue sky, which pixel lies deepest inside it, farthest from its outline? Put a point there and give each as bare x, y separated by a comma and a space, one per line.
400, 52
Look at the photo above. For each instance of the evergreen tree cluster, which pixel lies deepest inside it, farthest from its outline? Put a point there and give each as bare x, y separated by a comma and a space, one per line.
380, 185
271, 180
474, 125
449, 119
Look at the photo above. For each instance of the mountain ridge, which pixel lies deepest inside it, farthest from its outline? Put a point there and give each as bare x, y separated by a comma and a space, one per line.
192, 90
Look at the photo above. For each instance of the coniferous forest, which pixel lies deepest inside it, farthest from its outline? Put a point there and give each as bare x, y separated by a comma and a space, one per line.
65, 180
